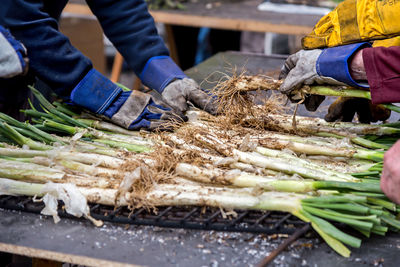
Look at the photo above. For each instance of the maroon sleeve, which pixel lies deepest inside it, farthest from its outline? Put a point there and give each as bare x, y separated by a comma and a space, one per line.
382, 65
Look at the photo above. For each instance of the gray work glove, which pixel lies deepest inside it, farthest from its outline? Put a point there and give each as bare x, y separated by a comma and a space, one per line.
13, 59
301, 69
143, 111
179, 92
132, 110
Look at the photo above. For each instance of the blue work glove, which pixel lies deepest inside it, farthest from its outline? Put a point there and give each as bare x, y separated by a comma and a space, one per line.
13, 60
164, 76
318, 66
132, 110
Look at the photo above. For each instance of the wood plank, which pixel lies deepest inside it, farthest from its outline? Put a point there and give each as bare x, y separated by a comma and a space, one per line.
60, 257
261, 21
173, 51
228, 23
117, 67
78, 9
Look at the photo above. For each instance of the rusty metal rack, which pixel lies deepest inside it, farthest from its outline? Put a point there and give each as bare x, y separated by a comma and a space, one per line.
200, 218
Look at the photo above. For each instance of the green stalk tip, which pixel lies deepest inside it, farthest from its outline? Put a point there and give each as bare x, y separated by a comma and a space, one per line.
43, 101
331, 230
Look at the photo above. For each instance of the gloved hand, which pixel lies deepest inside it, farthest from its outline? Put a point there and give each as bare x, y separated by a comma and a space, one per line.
344, 109
327, 66
132, 110
13, 56
355, 21
179, 92
300, 69
164, 76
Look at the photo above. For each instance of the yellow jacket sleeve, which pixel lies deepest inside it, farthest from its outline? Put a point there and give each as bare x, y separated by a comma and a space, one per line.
355, 21
395, 41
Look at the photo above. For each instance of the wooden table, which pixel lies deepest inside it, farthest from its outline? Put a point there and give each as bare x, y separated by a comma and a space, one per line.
229, 15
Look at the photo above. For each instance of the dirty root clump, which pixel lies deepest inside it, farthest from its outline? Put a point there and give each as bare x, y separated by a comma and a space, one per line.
244, 100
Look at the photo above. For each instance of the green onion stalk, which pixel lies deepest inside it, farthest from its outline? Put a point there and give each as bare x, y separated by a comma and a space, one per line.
353, 165
310, 149
76, 166
316, 126
29, 129
284, 166
86, 158
273, 163
75, 202
92, 147
63, 114
324, 163
53, 111
67, 109
65, 123
18, 138
302, 206
322, 169
242, 179
93, 123
131, 144
348, 92
314, 144
392, 124
21, 133
106, 126
37, 173
357, 140
318, 138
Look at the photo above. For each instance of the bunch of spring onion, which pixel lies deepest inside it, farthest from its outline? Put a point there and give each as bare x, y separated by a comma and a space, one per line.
254, 83
321, 179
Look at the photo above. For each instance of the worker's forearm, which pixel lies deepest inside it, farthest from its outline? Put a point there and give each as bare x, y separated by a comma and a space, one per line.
52, 58
131, 29
357, 69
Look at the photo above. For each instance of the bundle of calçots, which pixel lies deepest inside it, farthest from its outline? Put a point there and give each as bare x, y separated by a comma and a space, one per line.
321, 172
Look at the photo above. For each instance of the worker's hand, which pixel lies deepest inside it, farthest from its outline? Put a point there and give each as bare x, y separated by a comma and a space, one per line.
301, 69
344, 109
328, 66
180, 91
164, 76
390, 178
130, 109
13, 56
136, 110
355, 21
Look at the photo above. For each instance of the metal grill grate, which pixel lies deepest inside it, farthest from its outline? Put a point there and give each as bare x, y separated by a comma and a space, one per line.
201, 218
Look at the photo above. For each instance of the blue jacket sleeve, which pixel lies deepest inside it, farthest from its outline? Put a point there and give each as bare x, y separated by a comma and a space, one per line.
52, 58
131, 29
334, 62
